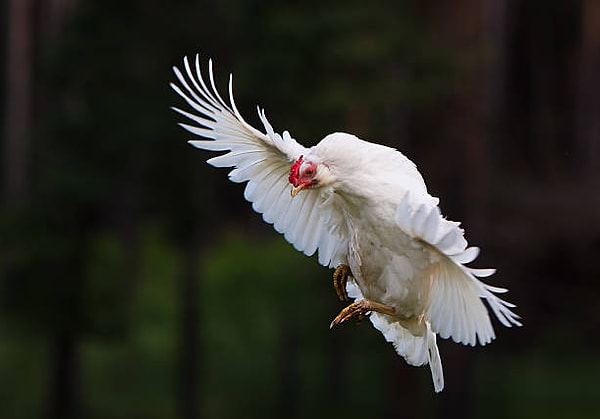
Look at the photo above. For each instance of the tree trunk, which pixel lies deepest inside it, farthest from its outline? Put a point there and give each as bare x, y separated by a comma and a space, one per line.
467, 128
189, 385
18, 101
588, 106
65, 385
289, 377
468, 143
65, 375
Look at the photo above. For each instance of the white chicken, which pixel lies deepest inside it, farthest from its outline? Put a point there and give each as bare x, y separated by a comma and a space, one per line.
366, 210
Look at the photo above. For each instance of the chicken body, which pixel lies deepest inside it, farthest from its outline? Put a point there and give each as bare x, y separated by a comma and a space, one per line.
389, 265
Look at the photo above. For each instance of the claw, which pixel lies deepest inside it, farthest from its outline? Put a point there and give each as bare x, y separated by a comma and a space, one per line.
361, 308
340, 278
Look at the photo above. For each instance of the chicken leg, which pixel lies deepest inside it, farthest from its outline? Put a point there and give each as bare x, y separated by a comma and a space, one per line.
360, 308
340, 278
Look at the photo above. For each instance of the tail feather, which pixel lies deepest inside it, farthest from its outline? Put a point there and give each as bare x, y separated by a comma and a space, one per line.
416, 350
435, 362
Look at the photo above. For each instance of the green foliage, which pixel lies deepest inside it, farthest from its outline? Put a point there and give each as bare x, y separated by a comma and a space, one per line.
266, 341
118, 200
250, 300
106, 285
553, 380
133, 376
340, 65
24, 370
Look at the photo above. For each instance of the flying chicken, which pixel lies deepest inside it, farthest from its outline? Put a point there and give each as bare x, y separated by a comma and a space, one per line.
365, 209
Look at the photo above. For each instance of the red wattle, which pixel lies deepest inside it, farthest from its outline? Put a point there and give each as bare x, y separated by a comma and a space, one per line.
294, 177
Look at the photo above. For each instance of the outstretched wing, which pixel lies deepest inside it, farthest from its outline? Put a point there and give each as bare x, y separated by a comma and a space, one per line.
455, 306
261, 159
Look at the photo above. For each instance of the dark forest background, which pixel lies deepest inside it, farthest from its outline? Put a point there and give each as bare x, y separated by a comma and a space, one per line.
135, 281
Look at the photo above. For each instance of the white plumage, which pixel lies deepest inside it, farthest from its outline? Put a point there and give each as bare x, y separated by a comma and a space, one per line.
364, 205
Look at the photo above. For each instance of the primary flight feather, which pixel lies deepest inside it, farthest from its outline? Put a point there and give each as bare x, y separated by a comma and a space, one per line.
365, 209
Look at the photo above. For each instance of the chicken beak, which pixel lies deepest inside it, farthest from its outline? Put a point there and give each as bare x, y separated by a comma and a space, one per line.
296, 189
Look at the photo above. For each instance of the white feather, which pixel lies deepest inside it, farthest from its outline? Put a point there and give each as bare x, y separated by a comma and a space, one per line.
261, 159
371, 211
469, 255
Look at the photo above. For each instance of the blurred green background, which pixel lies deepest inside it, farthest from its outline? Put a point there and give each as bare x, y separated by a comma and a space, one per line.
135, 281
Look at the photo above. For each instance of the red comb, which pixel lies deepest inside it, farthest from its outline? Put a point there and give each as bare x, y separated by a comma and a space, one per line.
295, 171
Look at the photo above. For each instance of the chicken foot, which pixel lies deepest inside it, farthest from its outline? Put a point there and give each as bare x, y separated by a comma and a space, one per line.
360, 308
340, 278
